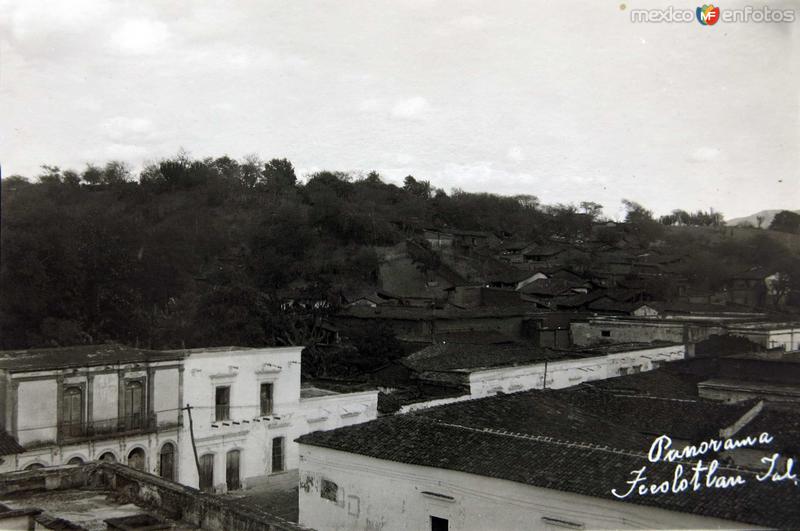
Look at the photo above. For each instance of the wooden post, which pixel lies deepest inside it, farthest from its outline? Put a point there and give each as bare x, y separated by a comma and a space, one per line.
188, 408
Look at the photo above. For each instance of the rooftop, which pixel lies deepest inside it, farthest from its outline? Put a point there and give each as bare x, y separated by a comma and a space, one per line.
523, 438
456, 356
80, 356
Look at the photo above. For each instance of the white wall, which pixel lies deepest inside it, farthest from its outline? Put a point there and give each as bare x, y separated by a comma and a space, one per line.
566, 373
247, 431
384, 495
36, 411
788, 338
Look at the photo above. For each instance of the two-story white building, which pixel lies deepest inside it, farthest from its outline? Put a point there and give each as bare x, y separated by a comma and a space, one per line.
99, 402
208, 418
247, 408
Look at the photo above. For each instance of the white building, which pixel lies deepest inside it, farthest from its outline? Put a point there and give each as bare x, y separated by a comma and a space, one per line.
769, 335
115, 403
486, 370
465, 466
102, 402
247, 410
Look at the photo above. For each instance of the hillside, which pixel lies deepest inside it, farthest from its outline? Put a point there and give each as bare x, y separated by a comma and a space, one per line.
752, 219
224, 252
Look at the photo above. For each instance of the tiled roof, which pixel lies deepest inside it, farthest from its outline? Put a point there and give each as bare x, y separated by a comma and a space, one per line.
658, 383
606, 304
426, 314
80, 356
550, 286
538, 413
547, 462
475, 337
9, 445
451, 357
686, 419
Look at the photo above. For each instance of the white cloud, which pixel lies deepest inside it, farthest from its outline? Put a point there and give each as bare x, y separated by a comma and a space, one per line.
515, 153
410, 108
369, 105
466, 23
126, 129
482, 176
704, 154
141, 37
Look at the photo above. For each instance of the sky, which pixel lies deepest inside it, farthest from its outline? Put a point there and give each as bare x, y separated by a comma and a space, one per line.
569, 101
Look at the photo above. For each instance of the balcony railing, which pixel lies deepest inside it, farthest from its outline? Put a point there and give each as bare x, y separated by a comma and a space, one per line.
119, 425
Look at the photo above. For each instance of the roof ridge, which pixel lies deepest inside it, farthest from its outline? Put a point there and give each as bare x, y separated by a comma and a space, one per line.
543, 438
580, 444
657, 398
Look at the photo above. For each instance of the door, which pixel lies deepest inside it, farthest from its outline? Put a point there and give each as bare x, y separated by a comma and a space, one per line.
232, 470
167, 462
73, 411
134, 405
207, 473
277, 454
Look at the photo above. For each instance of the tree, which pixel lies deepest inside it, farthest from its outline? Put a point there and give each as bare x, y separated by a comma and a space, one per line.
92, 175
250, 170
72, 178
592, 209
760, 221
636, 213
641, 222
116, 172
786, 221
421, 189
279, 174
51, 175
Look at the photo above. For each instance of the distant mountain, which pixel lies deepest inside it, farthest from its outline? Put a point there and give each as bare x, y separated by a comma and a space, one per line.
767, 215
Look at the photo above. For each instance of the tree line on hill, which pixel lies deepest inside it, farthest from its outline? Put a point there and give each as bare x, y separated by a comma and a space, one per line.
222, 251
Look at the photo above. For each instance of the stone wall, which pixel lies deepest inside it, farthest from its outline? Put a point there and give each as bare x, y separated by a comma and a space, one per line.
176, 501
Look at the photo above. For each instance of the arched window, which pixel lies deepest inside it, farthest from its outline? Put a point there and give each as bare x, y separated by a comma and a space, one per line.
34, 466
136, 459
75, 461
232, 470
166, 462
207, 473
108, 457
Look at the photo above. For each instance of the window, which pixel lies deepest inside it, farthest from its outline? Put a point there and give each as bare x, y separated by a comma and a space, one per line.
605, 333
166, 462
623, 371
108, 457
232, 470
636, 368
329, 490
658, 363
439, 524
277, 454
72, 417
266, 399
207, 473
134, 404
222, 401
75, 461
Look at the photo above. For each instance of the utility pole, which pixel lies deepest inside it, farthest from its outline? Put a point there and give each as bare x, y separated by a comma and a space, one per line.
188, 408
544, 386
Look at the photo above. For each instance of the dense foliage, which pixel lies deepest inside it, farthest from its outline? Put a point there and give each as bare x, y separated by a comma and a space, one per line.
220, 251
